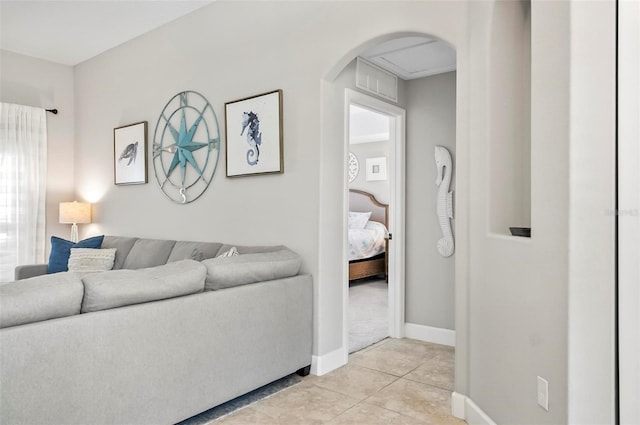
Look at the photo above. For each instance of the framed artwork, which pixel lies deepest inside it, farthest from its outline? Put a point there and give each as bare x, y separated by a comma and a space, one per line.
253, 130
376, 169
130, 154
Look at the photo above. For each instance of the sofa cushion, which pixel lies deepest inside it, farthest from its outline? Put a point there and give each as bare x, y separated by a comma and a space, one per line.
147, 253
117, 288
226, 272
91, 260
122, 245
198, 251
40, 298
61, 249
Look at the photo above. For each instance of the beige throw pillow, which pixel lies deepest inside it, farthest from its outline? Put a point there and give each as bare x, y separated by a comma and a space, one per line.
91, 260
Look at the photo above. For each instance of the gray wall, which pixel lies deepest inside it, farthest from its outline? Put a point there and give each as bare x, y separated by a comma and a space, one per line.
430, 278
379, 188
34, 82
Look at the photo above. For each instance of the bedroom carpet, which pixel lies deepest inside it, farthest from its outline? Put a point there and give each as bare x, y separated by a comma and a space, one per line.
368, 313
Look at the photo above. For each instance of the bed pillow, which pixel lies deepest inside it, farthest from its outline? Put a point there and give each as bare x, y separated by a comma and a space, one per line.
357, 220
91, 260
226, 272
61, 250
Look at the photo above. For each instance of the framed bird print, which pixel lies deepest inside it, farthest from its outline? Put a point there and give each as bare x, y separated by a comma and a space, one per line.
130, 154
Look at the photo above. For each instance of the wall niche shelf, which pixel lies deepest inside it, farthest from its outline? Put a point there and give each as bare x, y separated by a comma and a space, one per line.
520, 231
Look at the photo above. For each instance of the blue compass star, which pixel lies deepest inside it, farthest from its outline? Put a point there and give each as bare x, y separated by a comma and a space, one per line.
185, 146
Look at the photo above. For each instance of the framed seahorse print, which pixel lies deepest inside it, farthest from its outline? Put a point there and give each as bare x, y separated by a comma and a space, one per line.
253, 135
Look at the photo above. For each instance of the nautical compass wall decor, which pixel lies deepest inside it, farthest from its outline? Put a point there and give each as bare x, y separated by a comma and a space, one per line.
186, 147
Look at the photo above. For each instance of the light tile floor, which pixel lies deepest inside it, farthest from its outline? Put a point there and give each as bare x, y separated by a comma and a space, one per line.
397, 381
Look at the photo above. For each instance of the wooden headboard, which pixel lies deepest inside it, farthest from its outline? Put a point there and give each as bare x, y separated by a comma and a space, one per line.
360, 201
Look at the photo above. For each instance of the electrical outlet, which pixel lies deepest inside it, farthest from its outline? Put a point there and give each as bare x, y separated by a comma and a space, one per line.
543, 393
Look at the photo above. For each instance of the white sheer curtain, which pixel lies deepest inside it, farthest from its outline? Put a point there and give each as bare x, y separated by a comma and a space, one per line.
23, 167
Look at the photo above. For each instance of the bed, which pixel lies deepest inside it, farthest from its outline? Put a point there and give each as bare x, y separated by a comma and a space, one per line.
368, 236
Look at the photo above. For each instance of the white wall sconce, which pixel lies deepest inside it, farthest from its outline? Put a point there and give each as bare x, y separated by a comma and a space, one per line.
74, 213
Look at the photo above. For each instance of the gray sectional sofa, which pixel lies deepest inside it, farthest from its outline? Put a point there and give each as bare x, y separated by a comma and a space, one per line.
171, 332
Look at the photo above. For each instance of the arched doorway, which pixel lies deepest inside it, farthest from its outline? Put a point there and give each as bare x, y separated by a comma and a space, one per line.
332, 248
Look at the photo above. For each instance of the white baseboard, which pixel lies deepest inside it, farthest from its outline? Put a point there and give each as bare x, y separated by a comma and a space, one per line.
457, 405
462, 407
430, 334
324, 364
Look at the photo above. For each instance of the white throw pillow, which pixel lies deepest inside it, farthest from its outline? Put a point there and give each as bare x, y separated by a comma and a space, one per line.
357, 220
91, 260
232, 252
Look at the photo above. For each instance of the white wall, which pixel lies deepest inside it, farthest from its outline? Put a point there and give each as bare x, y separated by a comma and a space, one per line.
592, 195
629, 209
517, 295
33, 82
430, 278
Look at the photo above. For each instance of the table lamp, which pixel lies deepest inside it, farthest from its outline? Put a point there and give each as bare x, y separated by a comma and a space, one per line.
74, 213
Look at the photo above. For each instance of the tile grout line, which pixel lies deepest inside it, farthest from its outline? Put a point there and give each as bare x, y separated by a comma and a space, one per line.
336, 392
393, 411
427, 384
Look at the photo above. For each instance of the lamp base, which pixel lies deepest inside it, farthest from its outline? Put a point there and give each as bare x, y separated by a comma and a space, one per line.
74, 233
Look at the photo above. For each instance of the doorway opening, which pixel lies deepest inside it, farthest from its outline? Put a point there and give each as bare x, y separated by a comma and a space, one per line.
422, 90
340, 89
371, 175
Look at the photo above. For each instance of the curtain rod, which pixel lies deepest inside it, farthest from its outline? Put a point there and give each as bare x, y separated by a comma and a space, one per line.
53, 111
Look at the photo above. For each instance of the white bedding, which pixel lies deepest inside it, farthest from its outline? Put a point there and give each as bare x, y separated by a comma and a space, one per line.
367, 242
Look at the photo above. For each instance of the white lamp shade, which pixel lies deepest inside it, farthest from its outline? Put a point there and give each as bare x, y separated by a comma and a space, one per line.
75, 212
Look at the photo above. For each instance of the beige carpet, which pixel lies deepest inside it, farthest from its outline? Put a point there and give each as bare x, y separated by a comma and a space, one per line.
368, 313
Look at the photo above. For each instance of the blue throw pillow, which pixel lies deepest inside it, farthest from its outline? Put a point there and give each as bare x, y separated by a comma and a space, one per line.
61, 250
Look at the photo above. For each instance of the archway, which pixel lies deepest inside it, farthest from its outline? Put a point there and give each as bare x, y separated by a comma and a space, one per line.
334, 198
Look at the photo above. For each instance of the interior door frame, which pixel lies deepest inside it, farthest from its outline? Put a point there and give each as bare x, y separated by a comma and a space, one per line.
397, 189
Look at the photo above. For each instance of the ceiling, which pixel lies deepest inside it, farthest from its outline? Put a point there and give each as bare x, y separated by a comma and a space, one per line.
71, 31
366, 126
413, 57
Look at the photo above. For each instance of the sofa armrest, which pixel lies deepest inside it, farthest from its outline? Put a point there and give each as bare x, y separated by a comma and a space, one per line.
30, 270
